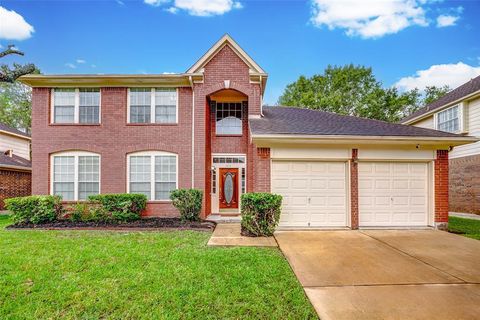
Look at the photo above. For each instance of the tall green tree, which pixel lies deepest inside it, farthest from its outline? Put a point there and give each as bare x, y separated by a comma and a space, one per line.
10, 75
433, 93
15, 97
354, 90
16, 105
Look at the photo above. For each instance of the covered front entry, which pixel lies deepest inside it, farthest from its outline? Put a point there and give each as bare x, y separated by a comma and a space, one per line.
314, 192
393, 194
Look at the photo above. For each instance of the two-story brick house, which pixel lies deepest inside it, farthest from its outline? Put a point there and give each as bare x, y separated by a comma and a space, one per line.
206, 128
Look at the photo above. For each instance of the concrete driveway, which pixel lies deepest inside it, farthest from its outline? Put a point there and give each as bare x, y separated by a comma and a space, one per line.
380, 274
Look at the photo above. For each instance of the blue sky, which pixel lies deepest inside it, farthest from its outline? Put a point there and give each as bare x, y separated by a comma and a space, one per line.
408, 43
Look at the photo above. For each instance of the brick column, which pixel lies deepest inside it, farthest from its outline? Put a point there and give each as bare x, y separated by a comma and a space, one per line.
261, 166
354, 189
441, 190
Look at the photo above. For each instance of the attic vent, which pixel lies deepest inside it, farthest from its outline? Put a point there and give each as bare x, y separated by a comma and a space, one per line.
9, 153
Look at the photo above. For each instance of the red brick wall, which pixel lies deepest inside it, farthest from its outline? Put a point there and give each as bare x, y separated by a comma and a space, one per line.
261, 179
226, 65
113, 139
354, 189
14, 184
441, 187
464, 184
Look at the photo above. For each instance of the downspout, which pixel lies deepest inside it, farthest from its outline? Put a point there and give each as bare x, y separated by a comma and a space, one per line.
193, 132
261, 97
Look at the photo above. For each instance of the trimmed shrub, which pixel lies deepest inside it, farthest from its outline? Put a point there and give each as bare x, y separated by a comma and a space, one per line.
34, 209
188, 202
122, 206
260, 213
89, 212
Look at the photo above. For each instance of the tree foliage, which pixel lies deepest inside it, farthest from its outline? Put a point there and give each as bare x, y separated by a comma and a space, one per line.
354, 90
15, 97
16, 105
10, 75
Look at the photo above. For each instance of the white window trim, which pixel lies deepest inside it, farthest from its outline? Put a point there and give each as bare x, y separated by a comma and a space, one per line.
75, 154
76, 112
461, 126
152, 107
152, 171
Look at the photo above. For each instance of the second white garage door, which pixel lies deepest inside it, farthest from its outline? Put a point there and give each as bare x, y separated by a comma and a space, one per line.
393, 194
314, 193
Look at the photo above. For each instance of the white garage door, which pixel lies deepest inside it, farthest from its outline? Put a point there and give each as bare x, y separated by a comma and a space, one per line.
314, 193
393, 194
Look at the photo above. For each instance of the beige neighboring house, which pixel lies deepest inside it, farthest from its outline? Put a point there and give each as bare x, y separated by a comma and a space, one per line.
458, 112
15, 164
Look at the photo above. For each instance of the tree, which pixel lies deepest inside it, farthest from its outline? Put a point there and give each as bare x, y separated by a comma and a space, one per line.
11, 75
354, 90
433, 93
15, 97
16, 105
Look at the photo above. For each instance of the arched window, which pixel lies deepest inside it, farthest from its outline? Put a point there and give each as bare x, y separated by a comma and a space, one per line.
75, 175
152, 173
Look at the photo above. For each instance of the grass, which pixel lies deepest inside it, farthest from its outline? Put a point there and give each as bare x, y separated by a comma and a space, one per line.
142, 275
466, 227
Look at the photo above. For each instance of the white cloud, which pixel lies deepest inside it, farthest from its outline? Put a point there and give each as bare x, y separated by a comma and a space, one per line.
70, 65
13, 26
202, 8
156, 3
452, 75
446, 21
93, 65
80, 61
172, 10
369, 18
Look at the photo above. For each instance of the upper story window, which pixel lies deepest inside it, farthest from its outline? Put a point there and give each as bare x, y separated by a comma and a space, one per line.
229, 118
152, 105
75, 175
153, 174
76, 105
449, 120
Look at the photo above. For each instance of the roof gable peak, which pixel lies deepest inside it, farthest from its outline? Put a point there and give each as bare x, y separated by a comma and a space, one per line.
226, 40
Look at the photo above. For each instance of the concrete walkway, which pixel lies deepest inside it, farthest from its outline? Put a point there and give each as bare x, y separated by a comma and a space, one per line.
464, 215
228, 234
379, 274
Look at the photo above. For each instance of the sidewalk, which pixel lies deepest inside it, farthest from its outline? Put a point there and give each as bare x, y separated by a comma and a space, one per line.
228, 234
464, 215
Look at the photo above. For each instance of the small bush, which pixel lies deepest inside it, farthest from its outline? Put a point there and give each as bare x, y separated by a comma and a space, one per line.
89, 212
122, 206
188, 202
260, 213
34, 209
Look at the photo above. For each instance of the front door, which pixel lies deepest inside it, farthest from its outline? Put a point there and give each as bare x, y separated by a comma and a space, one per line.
228, 188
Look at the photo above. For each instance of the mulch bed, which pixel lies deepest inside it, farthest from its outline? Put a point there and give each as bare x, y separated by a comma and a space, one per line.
142, 224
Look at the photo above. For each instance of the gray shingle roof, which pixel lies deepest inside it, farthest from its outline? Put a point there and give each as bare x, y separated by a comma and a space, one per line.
4, 127
464, 90
289, 120
14, 161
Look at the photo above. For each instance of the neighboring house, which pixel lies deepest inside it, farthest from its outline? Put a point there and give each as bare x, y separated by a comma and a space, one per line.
15, 166
458, 112
206, 128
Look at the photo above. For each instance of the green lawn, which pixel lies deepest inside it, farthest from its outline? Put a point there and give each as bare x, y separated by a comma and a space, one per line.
149, 275
467, 227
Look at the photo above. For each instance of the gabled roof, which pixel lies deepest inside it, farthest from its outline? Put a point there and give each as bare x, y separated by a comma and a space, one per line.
465, 90
226, 40
12, 131
14, 162
290, 121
